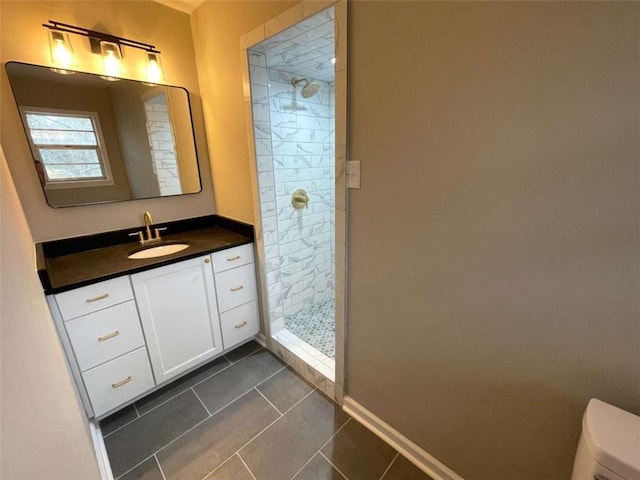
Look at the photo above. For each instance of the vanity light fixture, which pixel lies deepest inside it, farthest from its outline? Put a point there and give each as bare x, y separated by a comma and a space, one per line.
61, 51
110, 47
154, 68
112, 60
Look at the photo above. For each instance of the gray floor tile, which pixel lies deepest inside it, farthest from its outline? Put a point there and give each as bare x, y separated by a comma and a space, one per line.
145, 435
358, 453
205, 447
284, 389
147, 470
240, 377
403, 469
319, 469
178, 386
118, 419
242, 351
232, 469
283, 448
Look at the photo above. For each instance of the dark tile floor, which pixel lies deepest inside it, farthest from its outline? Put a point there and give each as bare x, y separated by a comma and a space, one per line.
246, 416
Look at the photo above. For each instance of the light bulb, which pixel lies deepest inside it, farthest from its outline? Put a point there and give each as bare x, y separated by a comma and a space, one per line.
61, 51
61, 54
111, 60
154, 68
333, 61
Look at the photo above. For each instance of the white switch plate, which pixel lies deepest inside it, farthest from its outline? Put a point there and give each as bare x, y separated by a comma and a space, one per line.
353, 174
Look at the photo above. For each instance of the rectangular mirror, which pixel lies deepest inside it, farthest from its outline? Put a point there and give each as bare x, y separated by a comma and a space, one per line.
96, 140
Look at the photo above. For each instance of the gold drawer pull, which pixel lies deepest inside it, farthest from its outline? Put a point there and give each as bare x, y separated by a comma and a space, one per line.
99, 297
237, 288
107, 337
241, 325
121, 382
206, 260
233, 259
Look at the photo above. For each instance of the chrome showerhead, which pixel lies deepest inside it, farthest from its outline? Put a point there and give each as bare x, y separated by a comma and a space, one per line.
309, 89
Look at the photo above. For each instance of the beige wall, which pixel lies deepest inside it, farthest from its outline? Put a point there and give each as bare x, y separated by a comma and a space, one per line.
24, 39
43, 431
217, 27
493, 270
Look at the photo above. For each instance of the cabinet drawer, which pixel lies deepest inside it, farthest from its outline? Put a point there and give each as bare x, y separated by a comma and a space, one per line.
106, 334
235, 287
239, 324
232, 257
116, 382
94, 297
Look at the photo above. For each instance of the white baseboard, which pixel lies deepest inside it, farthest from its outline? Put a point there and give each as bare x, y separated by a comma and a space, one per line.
402, 444
101, 451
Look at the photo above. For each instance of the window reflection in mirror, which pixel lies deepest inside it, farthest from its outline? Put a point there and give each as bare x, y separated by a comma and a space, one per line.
68, 146
95, 141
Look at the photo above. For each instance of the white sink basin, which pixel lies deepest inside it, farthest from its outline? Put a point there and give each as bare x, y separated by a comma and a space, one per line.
158, 251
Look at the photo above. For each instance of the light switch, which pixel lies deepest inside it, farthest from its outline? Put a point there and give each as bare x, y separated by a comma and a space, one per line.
353, 174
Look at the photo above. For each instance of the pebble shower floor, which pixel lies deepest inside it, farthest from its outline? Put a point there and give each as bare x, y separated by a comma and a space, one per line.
316, 325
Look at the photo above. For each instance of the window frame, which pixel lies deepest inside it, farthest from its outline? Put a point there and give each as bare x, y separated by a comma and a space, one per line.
101, 152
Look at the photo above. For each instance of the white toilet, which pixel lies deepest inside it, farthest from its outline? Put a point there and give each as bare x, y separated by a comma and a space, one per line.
609, 447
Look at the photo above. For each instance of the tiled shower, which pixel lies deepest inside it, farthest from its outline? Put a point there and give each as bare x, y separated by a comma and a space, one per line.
295, 149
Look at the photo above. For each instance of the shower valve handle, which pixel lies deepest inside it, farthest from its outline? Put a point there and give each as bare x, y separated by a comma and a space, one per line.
299, 199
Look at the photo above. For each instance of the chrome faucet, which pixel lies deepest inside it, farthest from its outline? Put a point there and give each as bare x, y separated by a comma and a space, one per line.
148, 224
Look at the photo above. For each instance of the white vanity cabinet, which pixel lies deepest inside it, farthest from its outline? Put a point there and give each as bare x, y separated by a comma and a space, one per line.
236, 290
126, 336
100, 330
179, 314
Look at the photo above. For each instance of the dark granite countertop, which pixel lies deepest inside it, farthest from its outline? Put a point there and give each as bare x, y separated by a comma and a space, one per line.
71, 263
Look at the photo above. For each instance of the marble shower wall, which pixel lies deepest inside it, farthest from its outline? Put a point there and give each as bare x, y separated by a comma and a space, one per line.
295, 148
163, 148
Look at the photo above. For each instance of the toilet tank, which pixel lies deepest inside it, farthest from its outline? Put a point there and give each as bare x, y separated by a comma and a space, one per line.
609, 447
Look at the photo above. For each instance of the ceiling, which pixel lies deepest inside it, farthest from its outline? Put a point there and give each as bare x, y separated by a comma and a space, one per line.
186, 6
305, 49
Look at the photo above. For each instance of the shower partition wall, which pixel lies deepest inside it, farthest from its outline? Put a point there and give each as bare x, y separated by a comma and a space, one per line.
293, 104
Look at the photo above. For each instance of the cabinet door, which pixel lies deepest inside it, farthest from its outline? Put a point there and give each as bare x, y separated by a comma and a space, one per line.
179, 315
